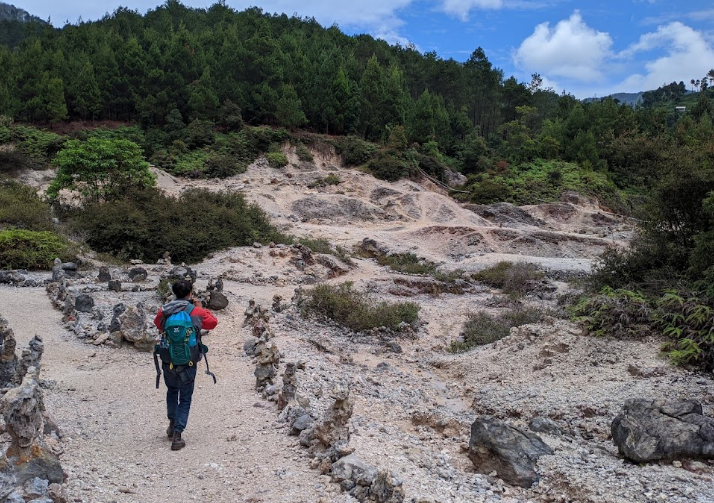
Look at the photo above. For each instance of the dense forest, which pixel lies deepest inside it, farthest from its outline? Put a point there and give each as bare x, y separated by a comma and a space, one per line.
203, 92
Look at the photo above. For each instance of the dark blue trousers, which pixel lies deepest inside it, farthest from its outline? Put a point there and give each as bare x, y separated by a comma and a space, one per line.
178, 395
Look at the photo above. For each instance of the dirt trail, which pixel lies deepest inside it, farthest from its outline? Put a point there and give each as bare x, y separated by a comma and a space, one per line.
105, 403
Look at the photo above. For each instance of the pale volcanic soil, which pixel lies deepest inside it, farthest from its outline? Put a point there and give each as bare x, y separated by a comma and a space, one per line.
414, 403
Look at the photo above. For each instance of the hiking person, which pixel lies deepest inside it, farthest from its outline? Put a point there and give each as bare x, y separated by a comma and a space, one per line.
185, 317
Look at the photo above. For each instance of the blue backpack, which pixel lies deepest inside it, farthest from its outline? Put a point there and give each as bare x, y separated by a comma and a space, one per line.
178, 342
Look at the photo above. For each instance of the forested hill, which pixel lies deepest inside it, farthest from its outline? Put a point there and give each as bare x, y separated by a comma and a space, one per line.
182, 74
280, 70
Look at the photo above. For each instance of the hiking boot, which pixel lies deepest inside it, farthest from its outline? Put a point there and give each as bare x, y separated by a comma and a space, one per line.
170, 429
177, 442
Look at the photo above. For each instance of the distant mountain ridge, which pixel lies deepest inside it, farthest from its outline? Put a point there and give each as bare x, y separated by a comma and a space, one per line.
11, 13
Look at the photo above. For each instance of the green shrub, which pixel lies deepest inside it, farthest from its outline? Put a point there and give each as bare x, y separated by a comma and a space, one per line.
513, 278
355, 151
319, 245
688, 321
391, 166
37, 144
147, 223
618, 313
356, 310
303, 153
482, 328
331, 179
276, 159
407, 263
21, 207
23, 249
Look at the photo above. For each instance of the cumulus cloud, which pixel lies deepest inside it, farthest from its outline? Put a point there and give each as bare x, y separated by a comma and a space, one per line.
378, 15
687, 55
571, 49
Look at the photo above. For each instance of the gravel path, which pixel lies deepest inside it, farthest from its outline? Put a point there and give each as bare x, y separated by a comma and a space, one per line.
113, 422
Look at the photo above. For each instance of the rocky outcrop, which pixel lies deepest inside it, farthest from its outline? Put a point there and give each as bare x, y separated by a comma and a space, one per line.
650, 430
510, 452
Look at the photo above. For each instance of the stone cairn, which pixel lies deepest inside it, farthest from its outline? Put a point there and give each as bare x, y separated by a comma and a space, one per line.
327, 439
266, 353
29, 469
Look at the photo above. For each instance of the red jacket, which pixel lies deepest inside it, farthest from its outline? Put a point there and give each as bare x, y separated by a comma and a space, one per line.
203, 316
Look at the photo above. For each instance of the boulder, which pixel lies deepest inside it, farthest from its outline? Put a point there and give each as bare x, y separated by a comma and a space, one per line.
137, 274
104, 274
511, 452
132, 327
217, 301
114, 285
354, 469
544, 425
650, 430
84, 303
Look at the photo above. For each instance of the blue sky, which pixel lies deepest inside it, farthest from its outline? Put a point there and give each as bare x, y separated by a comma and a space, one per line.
587, 48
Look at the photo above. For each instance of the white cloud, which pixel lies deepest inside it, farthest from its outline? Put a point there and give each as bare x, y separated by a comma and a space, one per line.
377, 15
571, 49
461, 8
687, 55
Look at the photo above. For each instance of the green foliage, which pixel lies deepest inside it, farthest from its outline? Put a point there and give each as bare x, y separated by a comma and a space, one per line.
319, 245
38, 145
24, 249
688, 321
623, 314
21, 207
331, 179
356, 310
513, 278
391, 165
100, 169
539, 181
303, 153
354, 151
276, 159
407, 263
146, 223
482, 328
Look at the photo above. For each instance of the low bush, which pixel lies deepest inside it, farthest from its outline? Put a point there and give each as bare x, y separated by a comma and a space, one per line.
276, 159
391, 165
319, 245
331, 179
147, 223
37, 144
21, 207
623, 314
355, 151
513, 278
407, 263
24, 249
687, 319
356, 310
303, 153
482, 328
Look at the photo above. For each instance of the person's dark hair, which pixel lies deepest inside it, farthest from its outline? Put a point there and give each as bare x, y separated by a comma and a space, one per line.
182, 288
